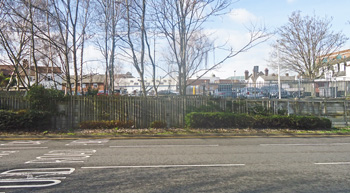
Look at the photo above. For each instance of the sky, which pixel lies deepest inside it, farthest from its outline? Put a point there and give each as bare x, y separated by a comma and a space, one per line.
273, 14
231, 29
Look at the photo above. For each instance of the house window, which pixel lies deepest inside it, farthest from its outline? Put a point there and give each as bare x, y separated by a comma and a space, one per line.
135, 84
84, 85
95, 85
48, 78
72, 85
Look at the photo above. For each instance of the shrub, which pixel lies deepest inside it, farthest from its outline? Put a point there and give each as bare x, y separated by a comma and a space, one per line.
106, 124
158, 124
41, 98
217, 120
258, 110
310, 122
210, 107
7, 120
24, 120
231, 120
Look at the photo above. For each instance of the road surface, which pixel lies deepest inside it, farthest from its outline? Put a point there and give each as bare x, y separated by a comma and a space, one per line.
176, 165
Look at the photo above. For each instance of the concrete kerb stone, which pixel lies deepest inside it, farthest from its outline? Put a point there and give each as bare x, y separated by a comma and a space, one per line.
226, 135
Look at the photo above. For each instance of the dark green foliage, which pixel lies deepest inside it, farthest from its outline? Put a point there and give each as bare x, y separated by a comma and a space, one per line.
210, 107
91, 92
218, 120
41, 98
258, 110
7, 119
24, 120
231, 120
105, 124
273, 121
305, 122
158, 124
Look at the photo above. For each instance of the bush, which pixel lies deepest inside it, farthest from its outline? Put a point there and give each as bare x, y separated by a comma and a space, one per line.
24, 120
258, 110
158, 124
231, 120
7, 119
41, 98
305, 122
217, 120
105, 124
210, 107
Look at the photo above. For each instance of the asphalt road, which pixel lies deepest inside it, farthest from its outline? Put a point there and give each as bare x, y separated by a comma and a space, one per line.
176, 165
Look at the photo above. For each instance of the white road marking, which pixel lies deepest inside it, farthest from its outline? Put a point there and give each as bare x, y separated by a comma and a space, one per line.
163, 166
305, 144
33, 177
19, 143
52, 171
54, 161
150, 146
72, 151
64, 156
6, 148
334, 163
52, 182
89, 142
4, 153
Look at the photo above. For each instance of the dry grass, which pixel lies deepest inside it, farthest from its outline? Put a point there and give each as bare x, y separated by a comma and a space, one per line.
172, 131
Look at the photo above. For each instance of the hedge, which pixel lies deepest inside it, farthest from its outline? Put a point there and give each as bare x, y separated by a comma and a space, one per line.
24, 120
231, 120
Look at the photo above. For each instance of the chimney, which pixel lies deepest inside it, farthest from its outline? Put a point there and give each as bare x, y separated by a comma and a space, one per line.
255, 71
287, 74
266, 71
246, 74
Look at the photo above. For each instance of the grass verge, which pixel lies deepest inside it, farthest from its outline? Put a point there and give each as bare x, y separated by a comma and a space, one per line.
177, 131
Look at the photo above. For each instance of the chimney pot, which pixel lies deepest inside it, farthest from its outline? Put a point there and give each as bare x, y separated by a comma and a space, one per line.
246, 74
266, 71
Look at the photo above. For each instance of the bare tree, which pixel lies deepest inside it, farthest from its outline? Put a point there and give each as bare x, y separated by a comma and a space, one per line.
85, 21
14, 38
109, 15
181, 22
304, 43
69, 20
135, 48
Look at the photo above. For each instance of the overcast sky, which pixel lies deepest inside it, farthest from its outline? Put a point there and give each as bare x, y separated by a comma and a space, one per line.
273, 14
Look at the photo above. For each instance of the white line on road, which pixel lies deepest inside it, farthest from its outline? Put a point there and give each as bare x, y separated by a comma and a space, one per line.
28, 183
149, 146
52, 171
23, 148
163, 166
333, 163
305, 144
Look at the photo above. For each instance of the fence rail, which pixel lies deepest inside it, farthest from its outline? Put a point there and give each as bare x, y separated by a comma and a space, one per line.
172, 110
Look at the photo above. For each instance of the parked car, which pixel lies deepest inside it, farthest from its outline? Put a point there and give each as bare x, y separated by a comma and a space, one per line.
225, 94
250, 93
78, 93
272, 91
167, 93
103, 93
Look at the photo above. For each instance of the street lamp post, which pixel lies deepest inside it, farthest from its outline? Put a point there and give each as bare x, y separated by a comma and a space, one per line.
279, 77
